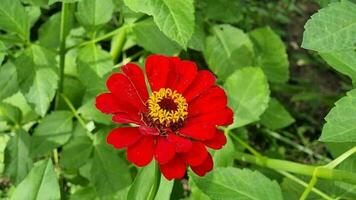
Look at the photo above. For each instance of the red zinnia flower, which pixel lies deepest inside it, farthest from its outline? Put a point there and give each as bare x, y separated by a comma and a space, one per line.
175, 123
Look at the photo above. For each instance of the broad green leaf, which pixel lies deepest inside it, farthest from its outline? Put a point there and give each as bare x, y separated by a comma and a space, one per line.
49, 32
343, 62
109, 172
37, 77
37, 2
276, 116
17, 156
89, 112
165, 189
332, 29
142, 185
76, 153
173, 18
13, 18
147, 35
20, 101
228, 49
10, 113
232, 183
2, 52
340, 122
223, 10
40, 184
93, 64
8, 80
225, 157
92, 13
271, 54
248, 95
54, 130
84, 193
197, 41
33, 13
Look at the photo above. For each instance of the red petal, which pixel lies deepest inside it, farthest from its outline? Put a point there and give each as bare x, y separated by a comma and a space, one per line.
123, 137
135, 74
205, 167
165, 150
198, 131
220, 117
197, 154
141, 153
174, 169
203, 80
126, 94
213, 99
157, 70
218, 141
106, 103
182, 144
126, 118
185, 72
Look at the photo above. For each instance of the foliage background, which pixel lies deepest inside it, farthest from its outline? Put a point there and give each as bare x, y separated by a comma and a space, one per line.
55, 56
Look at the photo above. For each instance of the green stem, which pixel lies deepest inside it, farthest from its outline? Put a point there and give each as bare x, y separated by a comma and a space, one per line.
76, 115
276, 164
311, 185
244, 144
62, 48
297, 146
117, 45
98, 39
156, 184
301, 182
341, 158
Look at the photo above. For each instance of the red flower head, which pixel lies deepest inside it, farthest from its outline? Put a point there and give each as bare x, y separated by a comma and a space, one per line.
175, 123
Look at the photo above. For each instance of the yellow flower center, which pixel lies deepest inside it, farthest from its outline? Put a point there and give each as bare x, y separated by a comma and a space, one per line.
167, 107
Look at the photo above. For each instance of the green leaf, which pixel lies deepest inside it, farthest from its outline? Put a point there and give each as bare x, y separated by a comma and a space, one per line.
10, 113
89, 112
165, 189
93, 64
332, 29
340, 122
54, 130
147, 35
92, 13
228, 49
40, 184
109, 172
173, 18
49, 32
84, 193
8, 80
233, 183
223, 10
2, 52
343, 62
276, 116
248, 95
76, 153
13, 18
197, 41
33, 13
37, 77
141, 187
271, 54
225, 157
17, 156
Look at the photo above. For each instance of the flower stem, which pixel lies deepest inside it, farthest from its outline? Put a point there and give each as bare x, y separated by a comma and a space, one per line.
156, 184
301, 182
321, 172
117, 44
62, 48
98, 39
77, 116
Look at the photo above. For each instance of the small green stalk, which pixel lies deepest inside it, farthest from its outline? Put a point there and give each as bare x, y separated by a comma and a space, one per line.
117, 44
321, 172
156, 184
